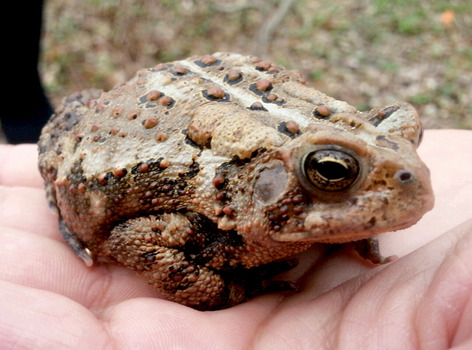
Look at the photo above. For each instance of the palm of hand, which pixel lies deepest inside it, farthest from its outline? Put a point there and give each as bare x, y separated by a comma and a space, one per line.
49, 299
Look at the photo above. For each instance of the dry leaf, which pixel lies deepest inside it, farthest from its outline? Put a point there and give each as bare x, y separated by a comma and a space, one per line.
447, 17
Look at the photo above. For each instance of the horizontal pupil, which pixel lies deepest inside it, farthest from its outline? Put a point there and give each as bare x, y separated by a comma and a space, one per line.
331, 171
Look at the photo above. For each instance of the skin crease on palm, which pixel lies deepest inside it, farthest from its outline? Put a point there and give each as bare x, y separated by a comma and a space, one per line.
49, 299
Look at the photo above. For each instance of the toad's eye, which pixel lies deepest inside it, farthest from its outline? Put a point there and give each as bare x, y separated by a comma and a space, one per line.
330, 170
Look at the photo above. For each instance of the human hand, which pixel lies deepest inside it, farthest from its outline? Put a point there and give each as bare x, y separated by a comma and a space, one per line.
49, 299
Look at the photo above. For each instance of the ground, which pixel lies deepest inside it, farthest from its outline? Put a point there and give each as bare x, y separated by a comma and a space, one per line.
368, 53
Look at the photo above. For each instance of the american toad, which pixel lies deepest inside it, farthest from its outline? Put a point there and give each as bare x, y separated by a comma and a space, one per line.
203, 174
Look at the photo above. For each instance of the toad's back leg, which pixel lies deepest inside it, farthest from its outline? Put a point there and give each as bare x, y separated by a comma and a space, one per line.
188, 262
159, 248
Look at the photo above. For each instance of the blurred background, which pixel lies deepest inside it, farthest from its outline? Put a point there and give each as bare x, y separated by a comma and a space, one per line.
366, 52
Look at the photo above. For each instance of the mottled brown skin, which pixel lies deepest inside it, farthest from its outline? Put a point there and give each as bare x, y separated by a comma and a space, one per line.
204, 175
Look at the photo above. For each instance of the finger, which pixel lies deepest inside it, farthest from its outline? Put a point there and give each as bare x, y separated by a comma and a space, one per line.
444, 151
423, 294
422, 297
445, 309
161, 324
26, 208
47, 320
447, 155
39, 262
19, 166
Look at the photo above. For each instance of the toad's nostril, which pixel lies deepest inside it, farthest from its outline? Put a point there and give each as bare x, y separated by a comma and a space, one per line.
404, 176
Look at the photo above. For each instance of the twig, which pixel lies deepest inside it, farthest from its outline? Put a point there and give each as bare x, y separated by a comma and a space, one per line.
268, 27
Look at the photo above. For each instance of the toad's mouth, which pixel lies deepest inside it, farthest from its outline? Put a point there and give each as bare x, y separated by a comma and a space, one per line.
325, 238
352, 223
341, 234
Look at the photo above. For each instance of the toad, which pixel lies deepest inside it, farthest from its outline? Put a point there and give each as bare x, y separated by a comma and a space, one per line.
204, 175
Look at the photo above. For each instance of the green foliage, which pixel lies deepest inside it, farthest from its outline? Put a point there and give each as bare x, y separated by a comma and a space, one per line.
316, 74
422, 98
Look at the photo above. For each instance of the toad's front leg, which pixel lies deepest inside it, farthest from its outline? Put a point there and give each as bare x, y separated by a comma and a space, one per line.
189, 261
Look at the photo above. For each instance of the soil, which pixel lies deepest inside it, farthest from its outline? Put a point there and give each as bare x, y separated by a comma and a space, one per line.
368, 53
